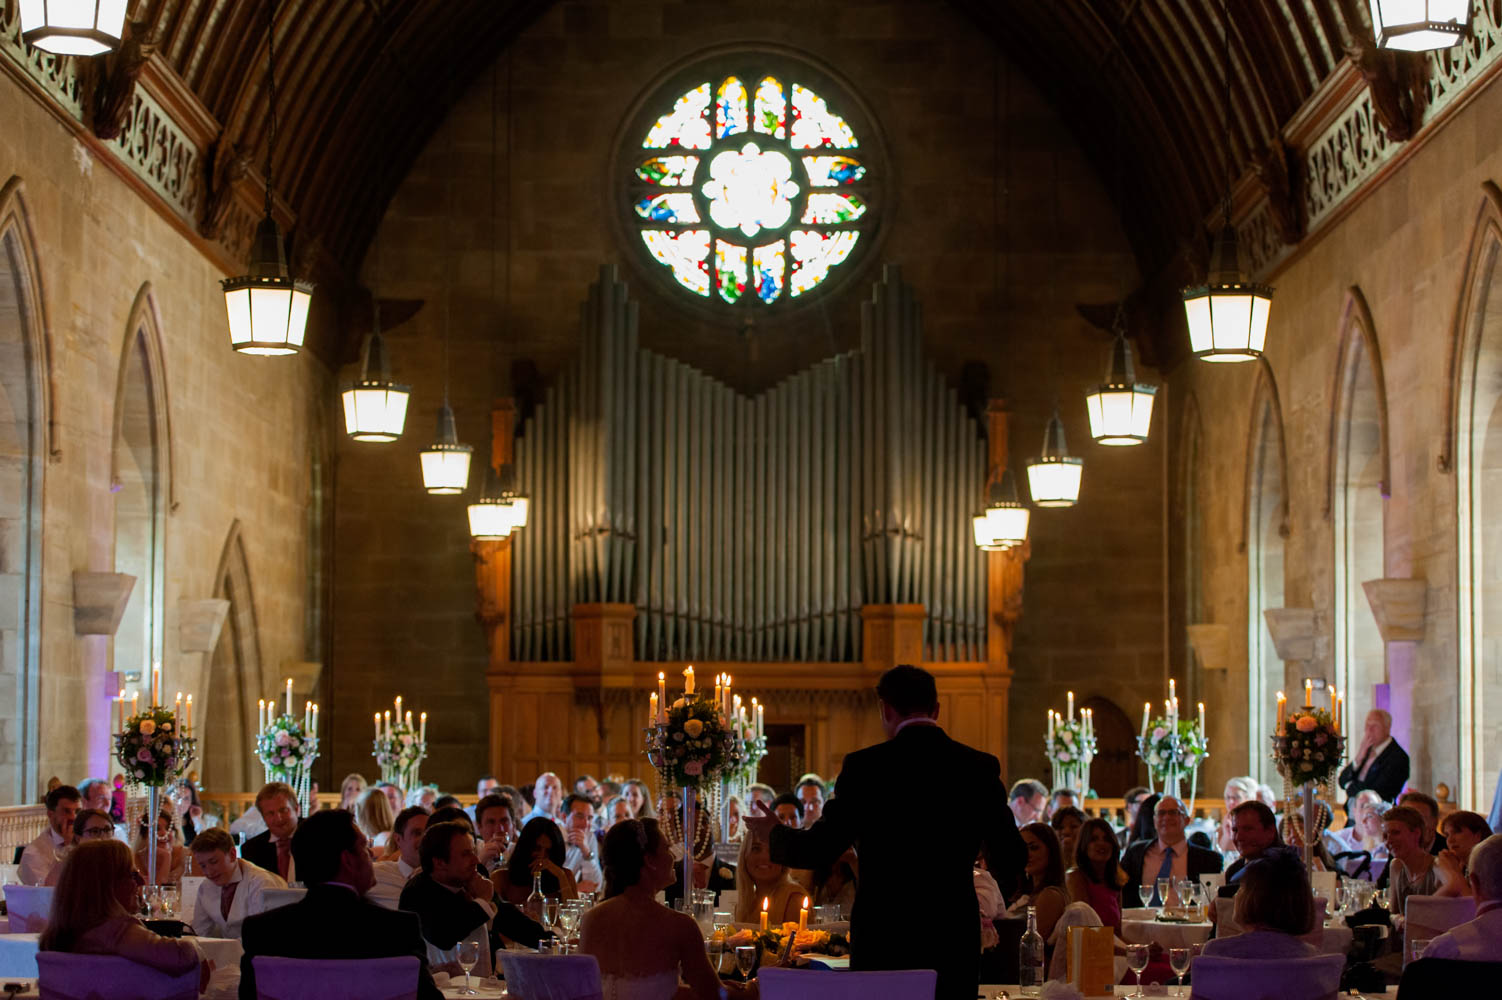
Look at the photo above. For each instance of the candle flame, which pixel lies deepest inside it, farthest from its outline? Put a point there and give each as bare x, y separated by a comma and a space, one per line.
805, 902
766, 904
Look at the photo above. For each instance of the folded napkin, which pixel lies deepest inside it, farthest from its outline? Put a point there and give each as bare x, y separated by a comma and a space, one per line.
441, 980
1058, 989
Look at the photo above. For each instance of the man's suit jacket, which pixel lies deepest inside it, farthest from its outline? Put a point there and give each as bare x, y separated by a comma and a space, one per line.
1387, 775
261, 852
449, 917
911, 871
1199, 861
332, 922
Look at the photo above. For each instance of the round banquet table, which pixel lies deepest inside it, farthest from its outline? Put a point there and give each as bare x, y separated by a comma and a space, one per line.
1335, 940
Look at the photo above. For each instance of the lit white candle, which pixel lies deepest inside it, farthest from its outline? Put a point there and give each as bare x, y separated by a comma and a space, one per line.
388, 723
378, 727
688, 681
398, 709
1202, 717
652, 712
120, 710
1172, 692
135, 703
761, 719
289, 696
313, 729
1147, 710
409, 719
1050, 725
1308, 693
190, 715
307, 716
662, 690
422, 734
156, 683
177, 707
1282, 704
1070, 713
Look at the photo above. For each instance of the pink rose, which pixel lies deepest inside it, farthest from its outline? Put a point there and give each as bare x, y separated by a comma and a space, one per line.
1158, 733
143, 755
694, 767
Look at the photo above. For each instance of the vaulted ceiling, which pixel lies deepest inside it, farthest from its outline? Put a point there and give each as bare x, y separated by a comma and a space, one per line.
363, 84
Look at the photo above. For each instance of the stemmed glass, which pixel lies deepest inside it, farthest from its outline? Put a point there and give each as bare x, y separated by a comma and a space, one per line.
722, 921
745, 960
1137, 962
1178, 960
1165, 886
550, 911
569, 915
1381, 898
469, 957
1145, 893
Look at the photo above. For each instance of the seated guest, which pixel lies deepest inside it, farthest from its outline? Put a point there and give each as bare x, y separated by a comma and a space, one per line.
334, 919
617, 810
1027, 799
758, 877
761, 793
586, 786
117, 798
1144, 827
1132, 802
837, 882
191, 819
645, 949
579, 842
1480, 939
495, 823
171, 856
547, 798
451, 814
539, 850
811, 792
424, 796
609, 789
1238, 790
1412, 871
1167, 855
1364, 836
1464, 831
391, 876
635, 793
788, 809
91, 824
1066, 822
734, 829
375, 818
454, 900
232, 888
47, 850
1097, 878
272, 850
1275, 908
93, 913
1254, 832
94, 793
1379, 763
1427, 807
1062, 798
394, 795
1042, 882
1292, 831
350, 789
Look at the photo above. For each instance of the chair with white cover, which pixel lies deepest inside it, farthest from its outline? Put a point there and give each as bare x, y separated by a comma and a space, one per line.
551, 977
66, 976
1219, 978
336, 978
272, 898
1074, 915
801, 984
1225, 918
29, 906
1430, 916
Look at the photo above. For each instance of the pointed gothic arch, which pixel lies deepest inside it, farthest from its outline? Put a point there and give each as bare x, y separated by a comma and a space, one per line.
1188, 504
1474, 453
1265, 530
141, 483
1358, 483
26, 444
233, 675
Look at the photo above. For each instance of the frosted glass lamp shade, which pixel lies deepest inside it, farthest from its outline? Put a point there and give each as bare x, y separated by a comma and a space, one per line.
489, 519
375, 411
445, 462
1120, 414
73, 27
267, 309
1420, 25
1055, 482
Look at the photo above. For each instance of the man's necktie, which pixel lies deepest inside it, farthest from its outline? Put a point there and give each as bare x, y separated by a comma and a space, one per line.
1366, 759
227, 899
1165, 870
283, 857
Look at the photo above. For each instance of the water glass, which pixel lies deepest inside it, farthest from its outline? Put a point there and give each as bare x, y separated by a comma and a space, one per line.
469, 957
550, 911
1178, 961
171, 896
1416, 949
1137, 962
1145, 893
745, 960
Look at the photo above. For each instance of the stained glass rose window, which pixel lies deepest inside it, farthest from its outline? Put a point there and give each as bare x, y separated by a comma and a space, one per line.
750, 190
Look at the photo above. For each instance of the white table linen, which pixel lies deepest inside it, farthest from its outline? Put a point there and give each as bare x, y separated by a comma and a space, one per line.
18, 953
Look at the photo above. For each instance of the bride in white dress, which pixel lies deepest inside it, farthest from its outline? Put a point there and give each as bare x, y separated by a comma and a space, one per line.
645, 949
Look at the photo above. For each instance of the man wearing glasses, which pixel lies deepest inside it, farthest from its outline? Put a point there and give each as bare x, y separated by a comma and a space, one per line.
1170, 855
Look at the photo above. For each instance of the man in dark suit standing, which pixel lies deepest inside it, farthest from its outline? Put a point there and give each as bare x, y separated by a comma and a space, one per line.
1379, 763
916, 906
272, 848
334, 920
1170, 855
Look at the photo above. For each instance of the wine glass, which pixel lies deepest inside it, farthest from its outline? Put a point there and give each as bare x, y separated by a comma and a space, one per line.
1137, 962
1165, 886
568, 919
1178, 960
1145, 893
1381, 898
745, 960
550, 911
469, 957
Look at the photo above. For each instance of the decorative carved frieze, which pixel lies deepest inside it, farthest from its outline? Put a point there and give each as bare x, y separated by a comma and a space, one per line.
56, 76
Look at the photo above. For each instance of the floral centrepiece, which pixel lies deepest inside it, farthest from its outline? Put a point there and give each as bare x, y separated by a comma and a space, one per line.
1165, 755
151, 749
1069, 745
770, 941
283, 746
694, 746
1308, 747
400, 752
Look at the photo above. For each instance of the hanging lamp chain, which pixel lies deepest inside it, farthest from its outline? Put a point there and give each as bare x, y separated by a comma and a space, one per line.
1225, 11
270, 96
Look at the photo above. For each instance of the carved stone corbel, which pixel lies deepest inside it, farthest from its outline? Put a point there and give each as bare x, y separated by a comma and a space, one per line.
199, 624
1292, 631
224, 166
1398, 605
99, 601
1395, 81
1280, 173
113, 86
1212, 644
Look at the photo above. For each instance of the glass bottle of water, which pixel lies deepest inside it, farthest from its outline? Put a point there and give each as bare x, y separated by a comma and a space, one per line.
1030, 957
535, 901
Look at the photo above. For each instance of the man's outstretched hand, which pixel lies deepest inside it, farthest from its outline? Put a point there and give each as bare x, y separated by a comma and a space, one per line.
762, 822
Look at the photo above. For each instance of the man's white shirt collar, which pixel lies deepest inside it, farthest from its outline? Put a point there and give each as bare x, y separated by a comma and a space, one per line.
916, 720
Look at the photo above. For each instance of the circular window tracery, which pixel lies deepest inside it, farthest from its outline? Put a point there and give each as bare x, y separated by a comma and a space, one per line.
749, 189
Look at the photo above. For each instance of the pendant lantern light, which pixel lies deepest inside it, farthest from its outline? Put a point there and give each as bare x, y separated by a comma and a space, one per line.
73, 27
1003, 524
267, 308
445, 462
1120, 408
375, 407
499, 510
1420, 25
1053, 478
1227, 315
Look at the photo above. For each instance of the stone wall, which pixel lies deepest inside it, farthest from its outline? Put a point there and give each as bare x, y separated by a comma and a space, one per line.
1003, 296
231, 447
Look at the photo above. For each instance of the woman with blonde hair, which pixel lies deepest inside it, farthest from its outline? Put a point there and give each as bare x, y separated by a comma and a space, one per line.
374, 818
758, 877
1238, 790
93, 910
350, 789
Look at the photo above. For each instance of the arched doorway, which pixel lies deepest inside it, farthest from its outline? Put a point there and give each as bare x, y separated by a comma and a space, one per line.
233, 678
24, 427
1115, 767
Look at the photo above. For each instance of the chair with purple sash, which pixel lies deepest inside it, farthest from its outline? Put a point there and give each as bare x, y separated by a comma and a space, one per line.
68, 976
336, 978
